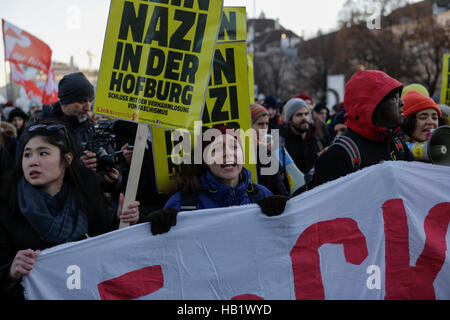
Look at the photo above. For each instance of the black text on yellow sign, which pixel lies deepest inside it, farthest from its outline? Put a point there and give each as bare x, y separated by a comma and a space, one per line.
227, 103
156, 60
233, 26
227, 100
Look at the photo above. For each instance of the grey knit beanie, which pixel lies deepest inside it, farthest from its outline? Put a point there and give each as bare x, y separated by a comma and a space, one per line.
292, 106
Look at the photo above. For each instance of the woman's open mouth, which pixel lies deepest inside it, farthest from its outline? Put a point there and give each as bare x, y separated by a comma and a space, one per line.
34, 174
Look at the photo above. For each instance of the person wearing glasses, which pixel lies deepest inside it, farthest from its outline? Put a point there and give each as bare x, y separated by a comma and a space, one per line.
49, 199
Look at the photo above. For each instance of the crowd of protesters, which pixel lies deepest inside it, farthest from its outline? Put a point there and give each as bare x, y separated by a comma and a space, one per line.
54, 189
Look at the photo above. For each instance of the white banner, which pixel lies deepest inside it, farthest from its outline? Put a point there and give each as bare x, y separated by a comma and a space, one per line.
379, 233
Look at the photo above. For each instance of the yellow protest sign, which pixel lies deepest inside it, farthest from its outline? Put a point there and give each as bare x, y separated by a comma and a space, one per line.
233, 26
251, 77
445, 91
227, 102
156, 59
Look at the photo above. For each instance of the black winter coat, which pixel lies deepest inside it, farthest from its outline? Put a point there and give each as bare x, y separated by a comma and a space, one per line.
6, 161
16, 233
303, 152
336, 162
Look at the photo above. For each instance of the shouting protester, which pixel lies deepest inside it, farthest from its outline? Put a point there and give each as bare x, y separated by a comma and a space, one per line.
421, 116
219, 181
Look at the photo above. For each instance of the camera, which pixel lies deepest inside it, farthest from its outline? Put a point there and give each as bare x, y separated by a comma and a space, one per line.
102, 144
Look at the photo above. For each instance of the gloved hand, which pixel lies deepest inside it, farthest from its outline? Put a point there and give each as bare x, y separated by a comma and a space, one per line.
273, 205
161, 220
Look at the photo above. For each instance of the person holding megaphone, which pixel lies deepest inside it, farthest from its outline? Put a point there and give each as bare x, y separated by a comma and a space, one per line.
420, 125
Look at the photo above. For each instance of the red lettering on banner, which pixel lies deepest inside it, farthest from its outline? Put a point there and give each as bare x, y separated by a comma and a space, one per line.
402, 280
132, 285
305, 255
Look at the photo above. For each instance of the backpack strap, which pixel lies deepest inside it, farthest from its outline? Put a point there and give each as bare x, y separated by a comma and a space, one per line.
351, 148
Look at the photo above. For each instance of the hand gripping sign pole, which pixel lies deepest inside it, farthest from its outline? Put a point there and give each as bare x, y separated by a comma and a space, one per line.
135, 167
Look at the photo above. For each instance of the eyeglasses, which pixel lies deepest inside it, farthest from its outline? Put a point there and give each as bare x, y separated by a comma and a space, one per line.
51, 128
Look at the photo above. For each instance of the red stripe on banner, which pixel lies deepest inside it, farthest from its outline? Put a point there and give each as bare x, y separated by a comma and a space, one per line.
132, 285
402, 280
305, 257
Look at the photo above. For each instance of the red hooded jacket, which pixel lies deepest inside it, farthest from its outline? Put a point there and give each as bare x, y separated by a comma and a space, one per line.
363, 92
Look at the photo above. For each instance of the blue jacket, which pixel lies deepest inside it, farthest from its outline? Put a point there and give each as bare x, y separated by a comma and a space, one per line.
217, 195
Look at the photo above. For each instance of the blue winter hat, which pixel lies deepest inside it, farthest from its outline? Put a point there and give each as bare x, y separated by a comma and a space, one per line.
270, 101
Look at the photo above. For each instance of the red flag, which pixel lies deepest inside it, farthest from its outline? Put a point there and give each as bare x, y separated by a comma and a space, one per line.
24, 48
50, 89
19, 76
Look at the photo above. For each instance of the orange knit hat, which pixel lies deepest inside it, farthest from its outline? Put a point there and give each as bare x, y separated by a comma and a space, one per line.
415, 102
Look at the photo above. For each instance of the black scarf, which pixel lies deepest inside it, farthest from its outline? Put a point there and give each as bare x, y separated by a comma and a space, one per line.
57, 219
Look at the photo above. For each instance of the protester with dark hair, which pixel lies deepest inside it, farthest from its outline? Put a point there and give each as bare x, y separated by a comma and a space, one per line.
75, 94
322, 112
271, 105
421, 116
282, 116
373, 104
18, 118
320, 115
335, 110
337, 126
49, 199
219, 181
273, 180
299, 137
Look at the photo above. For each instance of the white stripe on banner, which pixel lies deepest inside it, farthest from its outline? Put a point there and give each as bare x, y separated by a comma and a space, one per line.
379, 233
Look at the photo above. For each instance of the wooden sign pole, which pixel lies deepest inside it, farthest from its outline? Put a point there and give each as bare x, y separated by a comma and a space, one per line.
140, 143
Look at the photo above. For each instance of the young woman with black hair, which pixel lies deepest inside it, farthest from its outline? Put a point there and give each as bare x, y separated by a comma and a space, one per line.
49, 199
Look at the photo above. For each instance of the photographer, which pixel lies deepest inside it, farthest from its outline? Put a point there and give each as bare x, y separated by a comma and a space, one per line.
75, 94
